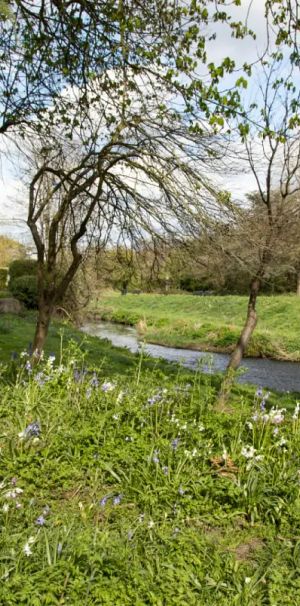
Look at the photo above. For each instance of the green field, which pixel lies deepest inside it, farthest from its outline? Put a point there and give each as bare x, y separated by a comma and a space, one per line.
209, 323
130, 490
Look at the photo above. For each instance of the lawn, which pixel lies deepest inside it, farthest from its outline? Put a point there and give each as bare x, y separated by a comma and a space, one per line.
209, 323
132, 490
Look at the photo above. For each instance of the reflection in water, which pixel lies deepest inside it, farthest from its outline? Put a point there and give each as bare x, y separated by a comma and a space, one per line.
283, 376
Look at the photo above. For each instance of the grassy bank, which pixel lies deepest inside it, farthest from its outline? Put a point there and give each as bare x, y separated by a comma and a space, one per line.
16, 335
133, 491
208, 323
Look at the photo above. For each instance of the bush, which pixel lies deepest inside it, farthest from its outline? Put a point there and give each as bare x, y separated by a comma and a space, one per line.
22, 267
3, 277
24, 288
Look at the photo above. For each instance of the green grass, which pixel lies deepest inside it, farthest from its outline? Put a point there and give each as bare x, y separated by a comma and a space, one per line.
16, 335
147, 495
209, 323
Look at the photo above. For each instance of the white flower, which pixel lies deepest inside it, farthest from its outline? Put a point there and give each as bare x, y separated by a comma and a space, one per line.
120, 397
247, 580
5, 508
12, 494
276, 415
151, 524
296, 411
249, 424
201, 427
248, 452
26, 548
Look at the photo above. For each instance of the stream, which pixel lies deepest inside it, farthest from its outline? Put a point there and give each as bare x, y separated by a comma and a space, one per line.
273, 374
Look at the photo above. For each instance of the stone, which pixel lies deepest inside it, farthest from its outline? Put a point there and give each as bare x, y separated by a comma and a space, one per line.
10, 306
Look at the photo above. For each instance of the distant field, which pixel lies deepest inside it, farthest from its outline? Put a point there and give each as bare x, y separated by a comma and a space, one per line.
208, 323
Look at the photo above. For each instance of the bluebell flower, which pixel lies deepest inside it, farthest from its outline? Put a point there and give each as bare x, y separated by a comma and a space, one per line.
259, 392
154, 399
40, 521
103, 501
28, 367
94, 380
117, 500
40, 378
107, 386
175, 443
33, 429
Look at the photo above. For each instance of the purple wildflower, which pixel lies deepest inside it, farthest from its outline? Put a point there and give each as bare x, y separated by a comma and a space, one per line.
117, 500
40, 378
175, 443
259, 392
107, 386
154, 399
33, 429
28, 367
103, 501
94, 380
40, 521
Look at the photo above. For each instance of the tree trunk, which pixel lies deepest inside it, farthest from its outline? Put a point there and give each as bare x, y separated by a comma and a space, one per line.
237, 354
298, 284
42, 326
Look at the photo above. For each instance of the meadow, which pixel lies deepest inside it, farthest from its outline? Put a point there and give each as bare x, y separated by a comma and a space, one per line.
134, 490
122, 484
208, 323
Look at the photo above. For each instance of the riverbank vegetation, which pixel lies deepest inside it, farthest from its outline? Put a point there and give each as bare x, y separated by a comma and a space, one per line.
209, 323
133, 490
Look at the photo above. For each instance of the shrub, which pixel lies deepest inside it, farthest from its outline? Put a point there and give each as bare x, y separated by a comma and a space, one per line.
22, 267
3, 277
24, 288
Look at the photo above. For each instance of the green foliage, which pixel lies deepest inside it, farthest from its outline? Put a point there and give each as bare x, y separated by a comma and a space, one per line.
133, 490
3, 277
22, 267
24, 288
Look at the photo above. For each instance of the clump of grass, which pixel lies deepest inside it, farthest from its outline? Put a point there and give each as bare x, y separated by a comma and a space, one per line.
132, 490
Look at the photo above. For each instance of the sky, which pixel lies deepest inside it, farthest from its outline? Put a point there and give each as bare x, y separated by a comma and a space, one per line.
12, 194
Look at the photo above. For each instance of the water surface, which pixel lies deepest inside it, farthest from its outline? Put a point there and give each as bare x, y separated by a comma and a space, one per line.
273, 374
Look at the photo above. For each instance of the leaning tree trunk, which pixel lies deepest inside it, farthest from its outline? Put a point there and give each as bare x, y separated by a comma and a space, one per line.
42, 327
237, 354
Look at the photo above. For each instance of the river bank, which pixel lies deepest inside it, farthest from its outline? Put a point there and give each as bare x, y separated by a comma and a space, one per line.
210, 324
